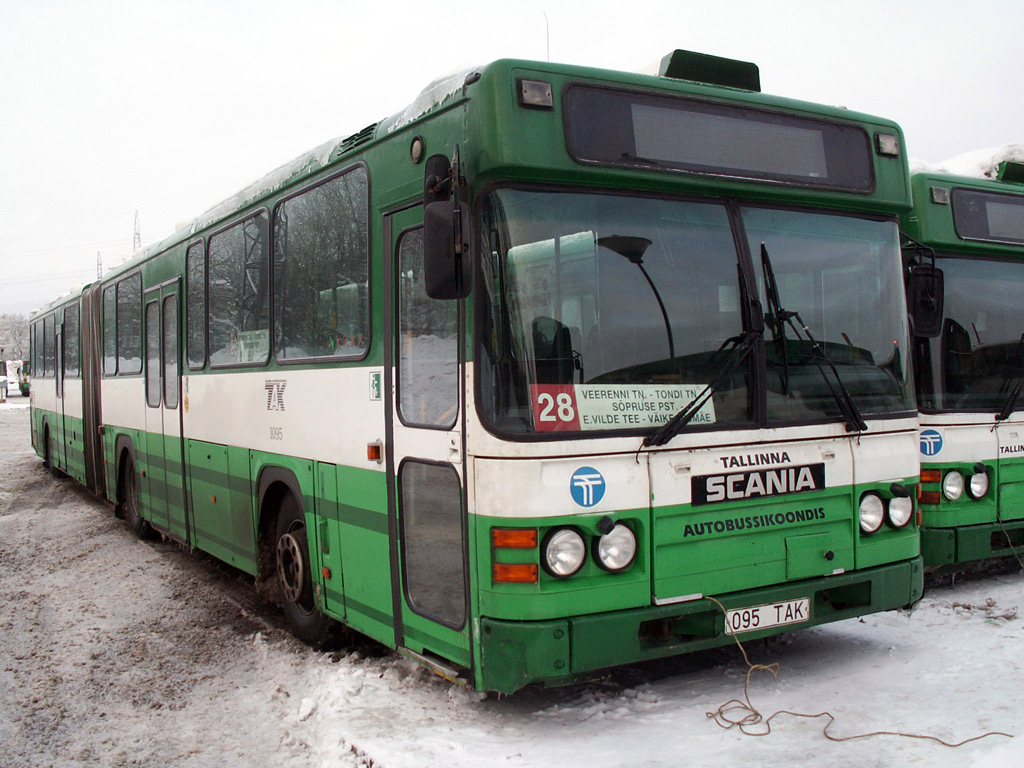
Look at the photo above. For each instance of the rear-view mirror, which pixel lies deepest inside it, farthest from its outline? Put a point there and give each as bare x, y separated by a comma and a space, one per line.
925, 293
446, 261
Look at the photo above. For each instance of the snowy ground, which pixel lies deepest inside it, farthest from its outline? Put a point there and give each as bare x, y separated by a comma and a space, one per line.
116, 652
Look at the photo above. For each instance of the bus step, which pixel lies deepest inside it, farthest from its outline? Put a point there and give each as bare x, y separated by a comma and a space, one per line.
437, 666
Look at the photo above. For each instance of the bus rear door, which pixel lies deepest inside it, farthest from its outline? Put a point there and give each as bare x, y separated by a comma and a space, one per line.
164, 477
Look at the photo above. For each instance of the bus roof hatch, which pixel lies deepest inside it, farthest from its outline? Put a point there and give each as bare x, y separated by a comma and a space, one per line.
713, 70
1011, 171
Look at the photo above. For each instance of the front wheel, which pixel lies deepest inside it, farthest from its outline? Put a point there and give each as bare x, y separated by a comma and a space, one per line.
295, 579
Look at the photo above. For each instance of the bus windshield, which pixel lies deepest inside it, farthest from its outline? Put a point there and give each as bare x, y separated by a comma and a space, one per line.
609, 312
978, 358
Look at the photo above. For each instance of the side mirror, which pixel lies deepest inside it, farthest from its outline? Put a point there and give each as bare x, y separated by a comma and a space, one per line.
447, 270
925, 293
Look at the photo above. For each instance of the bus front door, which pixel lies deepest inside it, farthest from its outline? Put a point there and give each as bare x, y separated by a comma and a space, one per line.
426, 500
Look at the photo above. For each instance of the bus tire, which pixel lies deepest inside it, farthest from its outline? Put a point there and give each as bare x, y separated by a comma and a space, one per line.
47, 456
130, 505
294, 577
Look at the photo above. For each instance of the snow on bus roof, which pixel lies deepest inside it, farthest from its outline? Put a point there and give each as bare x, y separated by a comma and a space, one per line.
305, 163
431, 97
981, 163
435, 94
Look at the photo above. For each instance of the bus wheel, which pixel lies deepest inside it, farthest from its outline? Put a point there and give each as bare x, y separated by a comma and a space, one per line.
47, 457
294, 578
130, 501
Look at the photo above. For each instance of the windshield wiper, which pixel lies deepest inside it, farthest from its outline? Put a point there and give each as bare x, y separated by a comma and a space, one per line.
742, 345
1018, 384
776, 317
854, 421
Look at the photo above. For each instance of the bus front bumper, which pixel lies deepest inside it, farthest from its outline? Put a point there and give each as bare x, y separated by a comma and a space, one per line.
515, 654
945, 546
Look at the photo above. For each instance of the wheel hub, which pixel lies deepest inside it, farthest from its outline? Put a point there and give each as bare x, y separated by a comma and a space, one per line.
290, 569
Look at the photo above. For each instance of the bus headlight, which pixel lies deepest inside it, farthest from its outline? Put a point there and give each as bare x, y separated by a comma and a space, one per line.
953, 485
616, 549
977, 486
563, 552
901, 509
872, 512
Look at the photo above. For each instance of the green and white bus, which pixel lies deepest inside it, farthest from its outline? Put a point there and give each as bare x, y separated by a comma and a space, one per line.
964, 242
558, 369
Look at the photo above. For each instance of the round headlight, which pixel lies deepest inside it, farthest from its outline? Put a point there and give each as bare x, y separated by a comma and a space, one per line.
978, 485
901, 509
564, 552
616, 549
953, 485
872, 512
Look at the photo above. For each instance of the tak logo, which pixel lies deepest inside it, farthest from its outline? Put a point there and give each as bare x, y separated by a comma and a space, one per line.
587, 486
931, 442
275, 394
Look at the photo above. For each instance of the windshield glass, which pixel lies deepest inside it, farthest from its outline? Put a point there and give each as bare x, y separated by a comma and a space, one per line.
976, 361
841, 278
606, 312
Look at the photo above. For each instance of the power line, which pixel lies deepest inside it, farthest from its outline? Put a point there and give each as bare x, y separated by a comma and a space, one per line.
44, 278
63, 249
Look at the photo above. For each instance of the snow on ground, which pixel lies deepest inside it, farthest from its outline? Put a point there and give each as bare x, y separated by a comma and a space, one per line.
117, 652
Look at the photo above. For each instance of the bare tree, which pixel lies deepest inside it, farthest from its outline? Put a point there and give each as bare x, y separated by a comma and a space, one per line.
13, 337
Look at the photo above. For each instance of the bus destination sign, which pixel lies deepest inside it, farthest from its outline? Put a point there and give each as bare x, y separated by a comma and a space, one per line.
586, 407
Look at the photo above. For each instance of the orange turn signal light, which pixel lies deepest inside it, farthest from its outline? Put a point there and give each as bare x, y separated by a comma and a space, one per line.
514, 538
931, 497
931, 475
515, 573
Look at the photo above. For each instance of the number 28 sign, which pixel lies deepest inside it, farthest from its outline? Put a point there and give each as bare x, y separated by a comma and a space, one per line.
554, 408
583, 407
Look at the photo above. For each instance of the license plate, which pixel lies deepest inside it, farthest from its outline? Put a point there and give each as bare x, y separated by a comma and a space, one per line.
740, 620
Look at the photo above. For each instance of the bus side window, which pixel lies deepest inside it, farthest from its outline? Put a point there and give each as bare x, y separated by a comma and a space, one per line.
239, 323
195, 306
428, 378
321, 270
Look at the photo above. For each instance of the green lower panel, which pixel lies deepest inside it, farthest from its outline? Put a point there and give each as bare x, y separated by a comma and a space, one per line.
945, 546
938, 546
514, 654
1011, 500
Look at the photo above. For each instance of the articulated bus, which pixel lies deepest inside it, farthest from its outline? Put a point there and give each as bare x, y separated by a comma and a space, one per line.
557, 370
964, 242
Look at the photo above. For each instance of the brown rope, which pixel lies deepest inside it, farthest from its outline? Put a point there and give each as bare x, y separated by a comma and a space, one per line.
745, 716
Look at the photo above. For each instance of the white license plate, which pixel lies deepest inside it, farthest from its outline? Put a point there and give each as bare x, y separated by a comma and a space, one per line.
740, 620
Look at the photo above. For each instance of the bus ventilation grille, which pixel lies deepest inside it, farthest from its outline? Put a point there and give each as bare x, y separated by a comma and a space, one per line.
350, 142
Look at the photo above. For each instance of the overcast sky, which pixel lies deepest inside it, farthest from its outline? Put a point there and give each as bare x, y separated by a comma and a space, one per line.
108, 107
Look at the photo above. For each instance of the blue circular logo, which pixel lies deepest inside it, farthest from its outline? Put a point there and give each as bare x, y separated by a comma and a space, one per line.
931, 442
587, 486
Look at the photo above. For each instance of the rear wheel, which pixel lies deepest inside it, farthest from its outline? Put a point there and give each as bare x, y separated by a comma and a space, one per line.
47, 456
130, 501
295, 579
